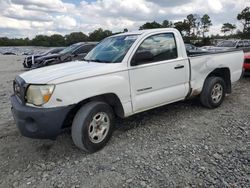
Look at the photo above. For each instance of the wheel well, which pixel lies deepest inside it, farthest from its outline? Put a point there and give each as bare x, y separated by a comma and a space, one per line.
225, 74
109, 98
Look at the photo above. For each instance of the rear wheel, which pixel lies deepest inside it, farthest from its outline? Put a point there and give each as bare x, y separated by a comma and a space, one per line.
92, 126
213, 92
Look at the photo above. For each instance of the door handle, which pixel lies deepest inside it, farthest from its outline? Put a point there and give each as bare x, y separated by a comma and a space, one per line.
179, 67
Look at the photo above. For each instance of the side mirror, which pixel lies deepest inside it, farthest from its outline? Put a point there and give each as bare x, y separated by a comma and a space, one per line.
141, 58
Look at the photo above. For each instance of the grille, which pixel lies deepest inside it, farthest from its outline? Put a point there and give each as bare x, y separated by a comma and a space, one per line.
28, 61
247, 61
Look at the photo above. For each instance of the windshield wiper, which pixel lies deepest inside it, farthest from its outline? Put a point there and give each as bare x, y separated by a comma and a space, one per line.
100, 61
96, 60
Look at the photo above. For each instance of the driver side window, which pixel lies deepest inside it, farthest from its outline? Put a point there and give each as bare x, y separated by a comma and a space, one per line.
156, 48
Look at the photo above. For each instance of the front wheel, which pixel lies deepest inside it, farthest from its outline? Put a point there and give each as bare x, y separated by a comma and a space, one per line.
213, 92
92, 126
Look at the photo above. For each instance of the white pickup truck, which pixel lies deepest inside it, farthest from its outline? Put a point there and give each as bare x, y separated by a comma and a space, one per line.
123, 75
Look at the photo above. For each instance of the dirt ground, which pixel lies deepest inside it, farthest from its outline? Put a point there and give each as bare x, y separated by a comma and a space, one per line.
178, 145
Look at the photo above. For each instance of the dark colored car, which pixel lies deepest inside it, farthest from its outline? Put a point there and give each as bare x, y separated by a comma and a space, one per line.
74, 52
9, 53
29, 60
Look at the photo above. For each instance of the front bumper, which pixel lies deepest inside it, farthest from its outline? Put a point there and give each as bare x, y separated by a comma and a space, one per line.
42, 123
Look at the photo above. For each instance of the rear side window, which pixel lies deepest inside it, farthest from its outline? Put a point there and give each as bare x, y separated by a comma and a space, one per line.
160, 47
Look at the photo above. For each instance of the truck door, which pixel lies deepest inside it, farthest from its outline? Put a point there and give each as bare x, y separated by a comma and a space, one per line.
157, 75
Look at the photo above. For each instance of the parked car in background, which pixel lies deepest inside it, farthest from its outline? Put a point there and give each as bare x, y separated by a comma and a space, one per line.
228, 44
190, 47
247, 62
74, 52
208, 48
123, 75
9, 53
30, 60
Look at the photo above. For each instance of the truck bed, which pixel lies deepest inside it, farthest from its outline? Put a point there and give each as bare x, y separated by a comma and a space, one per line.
201, 64
202, 53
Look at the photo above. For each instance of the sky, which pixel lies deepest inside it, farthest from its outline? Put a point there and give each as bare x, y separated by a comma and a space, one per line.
27, 18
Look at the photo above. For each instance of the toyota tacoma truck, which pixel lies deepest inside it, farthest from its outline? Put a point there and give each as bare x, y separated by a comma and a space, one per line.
123, 75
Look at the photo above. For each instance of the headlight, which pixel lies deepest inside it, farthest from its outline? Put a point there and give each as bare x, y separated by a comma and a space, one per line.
39, 94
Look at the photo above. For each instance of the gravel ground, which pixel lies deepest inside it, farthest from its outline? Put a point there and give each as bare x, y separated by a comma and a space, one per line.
179, 145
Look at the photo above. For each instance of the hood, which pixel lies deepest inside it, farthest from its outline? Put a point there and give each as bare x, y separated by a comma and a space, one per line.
50, 56
37, 56
69, 71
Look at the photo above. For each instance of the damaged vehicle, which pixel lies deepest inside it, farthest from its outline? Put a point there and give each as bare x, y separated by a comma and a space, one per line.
123, 75
30, 60
74, 52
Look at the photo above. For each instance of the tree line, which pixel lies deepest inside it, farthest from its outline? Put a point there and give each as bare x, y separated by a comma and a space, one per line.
193, 27
56, 39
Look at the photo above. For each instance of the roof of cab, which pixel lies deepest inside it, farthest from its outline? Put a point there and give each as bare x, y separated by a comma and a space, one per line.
146, 31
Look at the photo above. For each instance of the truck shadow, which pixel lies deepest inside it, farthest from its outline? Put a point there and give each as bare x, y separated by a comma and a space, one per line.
246, 76
141, 119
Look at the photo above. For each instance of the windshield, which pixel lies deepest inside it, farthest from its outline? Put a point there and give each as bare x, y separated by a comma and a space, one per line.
111, 50
47, 52
69, 49
227, 44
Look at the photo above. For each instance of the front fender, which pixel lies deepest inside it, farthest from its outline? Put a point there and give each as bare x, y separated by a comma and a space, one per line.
73, 92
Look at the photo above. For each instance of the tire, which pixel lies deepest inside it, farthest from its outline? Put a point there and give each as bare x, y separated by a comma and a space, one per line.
85, 124
208, 95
